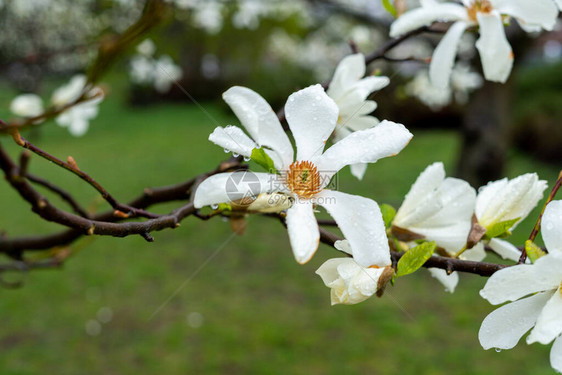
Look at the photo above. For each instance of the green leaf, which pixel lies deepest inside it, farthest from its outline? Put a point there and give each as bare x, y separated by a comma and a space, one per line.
261, 158
224, 207
500, 229
389, 7
388, 213
533, 251
414, 258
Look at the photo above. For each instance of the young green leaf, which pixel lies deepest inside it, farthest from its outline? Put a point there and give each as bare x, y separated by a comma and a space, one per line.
388, 213
414, 258
389, 7
533, 251
500, 229
263, 159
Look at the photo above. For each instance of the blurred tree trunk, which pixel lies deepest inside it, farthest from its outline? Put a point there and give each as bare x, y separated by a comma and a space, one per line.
485, 135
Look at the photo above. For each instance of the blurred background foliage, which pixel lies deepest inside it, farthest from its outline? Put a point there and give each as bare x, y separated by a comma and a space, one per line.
251, 308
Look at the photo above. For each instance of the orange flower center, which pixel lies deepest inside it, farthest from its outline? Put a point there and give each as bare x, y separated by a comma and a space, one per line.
478, 6
303, 179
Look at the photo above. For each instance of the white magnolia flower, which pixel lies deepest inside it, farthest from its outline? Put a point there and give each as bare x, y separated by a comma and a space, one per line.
505, 199
350, 282
350, 90
146, 48
312, 117
27, 105
439, 209
77, 117
495, 52
165, 73
536, 290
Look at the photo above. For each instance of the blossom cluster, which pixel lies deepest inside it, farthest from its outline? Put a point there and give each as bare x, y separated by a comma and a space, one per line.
443, 214
160, 72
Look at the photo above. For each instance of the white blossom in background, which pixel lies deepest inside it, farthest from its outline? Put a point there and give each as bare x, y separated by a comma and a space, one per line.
440, 209
350, 89
351, 283
207, 15
146, 48
537, 295
77, 117
421, 88
145, 69
27, 105
249, 13
495, 52
141, 70
463, 82
504, 200
312, 117
165, 73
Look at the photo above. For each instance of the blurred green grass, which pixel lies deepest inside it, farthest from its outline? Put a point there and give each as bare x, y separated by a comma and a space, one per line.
262, 313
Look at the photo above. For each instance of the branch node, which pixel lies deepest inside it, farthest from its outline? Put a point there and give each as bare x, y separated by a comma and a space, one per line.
41, 203
120, 214
17, 137
91, 230
70, 160
147, 236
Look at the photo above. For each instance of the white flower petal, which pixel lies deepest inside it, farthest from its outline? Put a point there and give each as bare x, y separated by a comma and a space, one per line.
365, 146
495, 51
504, 327
312, 116
358, 170
260, 121
512, 283
505, 249
489, 198
350, 70
535, 12
303, 230
425, 16
427, 182
556, 350
356, 123
551, 227
328, 271
343, 245
449, 281
458, 199
227, 187
549, 322
476, 254
443, 57
360, 221
232, 138
357, 93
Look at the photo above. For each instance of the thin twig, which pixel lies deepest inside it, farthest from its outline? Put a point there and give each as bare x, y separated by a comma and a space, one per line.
537, 226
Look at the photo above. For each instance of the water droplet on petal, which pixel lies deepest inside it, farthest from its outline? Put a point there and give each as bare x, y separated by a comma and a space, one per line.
226, 151
214, 206
247, 158
235, 154
498, 350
